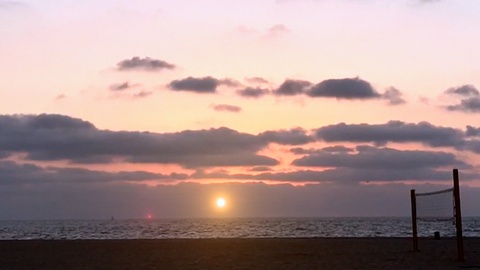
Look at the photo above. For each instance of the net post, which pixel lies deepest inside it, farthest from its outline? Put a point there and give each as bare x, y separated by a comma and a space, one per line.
458, 215
414, 219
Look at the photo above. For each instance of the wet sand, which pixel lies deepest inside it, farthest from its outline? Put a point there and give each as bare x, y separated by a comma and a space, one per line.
311, 253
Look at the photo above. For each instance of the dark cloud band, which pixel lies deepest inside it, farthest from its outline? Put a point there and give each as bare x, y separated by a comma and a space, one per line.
393, 131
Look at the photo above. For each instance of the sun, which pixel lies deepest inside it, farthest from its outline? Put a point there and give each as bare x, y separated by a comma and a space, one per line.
221, 202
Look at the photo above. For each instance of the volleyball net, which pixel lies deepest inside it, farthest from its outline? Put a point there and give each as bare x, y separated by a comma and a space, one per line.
436, 206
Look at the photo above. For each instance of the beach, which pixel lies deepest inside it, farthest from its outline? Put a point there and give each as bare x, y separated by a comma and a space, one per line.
257, 253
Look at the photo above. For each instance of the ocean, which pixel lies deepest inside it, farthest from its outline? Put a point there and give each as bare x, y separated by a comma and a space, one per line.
230, 228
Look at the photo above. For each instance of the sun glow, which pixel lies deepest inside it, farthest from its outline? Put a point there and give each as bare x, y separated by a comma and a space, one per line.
221, 202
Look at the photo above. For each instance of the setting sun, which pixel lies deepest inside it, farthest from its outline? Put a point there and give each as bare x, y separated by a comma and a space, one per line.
221, 202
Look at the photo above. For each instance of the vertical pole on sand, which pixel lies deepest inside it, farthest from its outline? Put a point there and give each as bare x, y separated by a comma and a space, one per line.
458, 216
414, 219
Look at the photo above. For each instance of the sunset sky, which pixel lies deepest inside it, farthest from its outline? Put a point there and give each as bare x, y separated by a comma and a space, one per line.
282, 107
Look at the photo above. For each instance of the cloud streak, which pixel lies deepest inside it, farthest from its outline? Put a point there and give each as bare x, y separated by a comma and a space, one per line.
257, 80
394, 96
250, 92
227, 108
197, 85
470, 99
57, 137
143, 64
344, 89
292, 88
12, 4
393, 131
12, 173
277, 29
380, 158
296, 136
122, 86
340, 89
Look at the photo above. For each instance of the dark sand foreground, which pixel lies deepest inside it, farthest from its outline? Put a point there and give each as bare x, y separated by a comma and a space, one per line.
314, 253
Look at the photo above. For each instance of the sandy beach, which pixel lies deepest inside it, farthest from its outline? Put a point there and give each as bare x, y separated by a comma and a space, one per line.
312, 253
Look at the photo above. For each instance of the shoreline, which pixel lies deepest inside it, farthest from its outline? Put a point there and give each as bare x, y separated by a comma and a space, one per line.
238, 253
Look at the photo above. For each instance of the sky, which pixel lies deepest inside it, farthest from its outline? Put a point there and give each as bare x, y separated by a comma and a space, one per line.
285, 108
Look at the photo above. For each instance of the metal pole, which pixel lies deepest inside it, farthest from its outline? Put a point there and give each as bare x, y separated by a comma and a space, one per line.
414, 219
458, 215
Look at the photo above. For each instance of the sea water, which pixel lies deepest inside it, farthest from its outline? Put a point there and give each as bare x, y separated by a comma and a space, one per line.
229, 228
